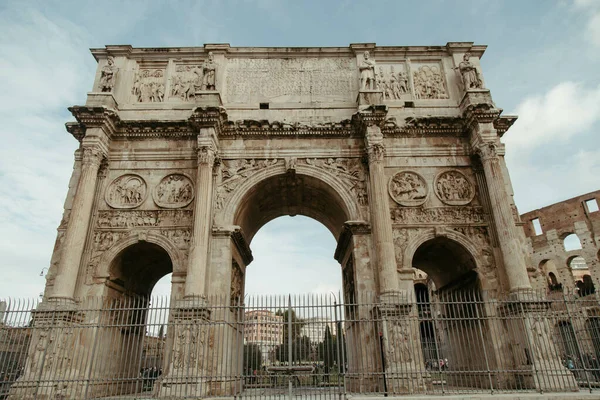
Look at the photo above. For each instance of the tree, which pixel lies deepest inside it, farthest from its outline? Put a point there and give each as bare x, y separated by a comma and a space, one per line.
252, 357
297, 324
300, 350
328, 349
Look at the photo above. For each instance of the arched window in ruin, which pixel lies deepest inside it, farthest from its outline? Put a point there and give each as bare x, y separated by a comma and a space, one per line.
571, 242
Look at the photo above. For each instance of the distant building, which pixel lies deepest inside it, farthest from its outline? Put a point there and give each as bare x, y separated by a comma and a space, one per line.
265, 329
314, 328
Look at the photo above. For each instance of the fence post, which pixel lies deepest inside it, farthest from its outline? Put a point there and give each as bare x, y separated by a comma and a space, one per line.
483, 341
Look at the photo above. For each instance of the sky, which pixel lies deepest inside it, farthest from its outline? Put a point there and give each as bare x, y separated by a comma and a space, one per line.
542, 64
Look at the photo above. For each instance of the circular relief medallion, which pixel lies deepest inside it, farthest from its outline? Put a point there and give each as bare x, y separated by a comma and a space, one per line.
174, 191
453, 188
126, 191
408, 188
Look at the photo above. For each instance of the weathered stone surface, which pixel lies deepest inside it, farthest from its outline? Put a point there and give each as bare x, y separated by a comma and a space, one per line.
187, 152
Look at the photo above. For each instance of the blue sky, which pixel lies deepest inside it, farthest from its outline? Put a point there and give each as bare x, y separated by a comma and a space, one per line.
542, 63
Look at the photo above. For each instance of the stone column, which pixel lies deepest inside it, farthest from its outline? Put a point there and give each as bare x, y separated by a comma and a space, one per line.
510, 245
195, 283
380, 213
77, 228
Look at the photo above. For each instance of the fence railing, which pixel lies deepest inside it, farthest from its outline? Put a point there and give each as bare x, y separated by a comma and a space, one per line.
315, 345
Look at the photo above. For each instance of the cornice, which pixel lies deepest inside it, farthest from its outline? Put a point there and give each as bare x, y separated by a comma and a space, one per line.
154, 53
177, 129
370, 116
350, 228
427, 126
76, 129
276, 128
237, 236
208, 117
96, 117
503, 123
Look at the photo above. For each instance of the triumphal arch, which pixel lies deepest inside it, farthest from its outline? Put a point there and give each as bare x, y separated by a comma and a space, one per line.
186, 152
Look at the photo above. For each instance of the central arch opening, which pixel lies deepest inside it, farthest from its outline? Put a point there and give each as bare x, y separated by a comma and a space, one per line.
292, 223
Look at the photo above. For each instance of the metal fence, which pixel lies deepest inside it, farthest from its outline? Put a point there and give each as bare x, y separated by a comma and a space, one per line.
454, 342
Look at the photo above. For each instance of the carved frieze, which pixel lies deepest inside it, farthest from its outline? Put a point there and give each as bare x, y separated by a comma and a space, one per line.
399, 341
149, 86
408, 188
174, 191
392, 80
126, 191
454, 188
237, 284
180, 237
348, 170
277, 79
131, 218
104, 240
437, 215
235, 172
429, 82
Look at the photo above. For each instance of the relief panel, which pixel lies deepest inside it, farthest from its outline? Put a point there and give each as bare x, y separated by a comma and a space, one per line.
149, 85
408, 188
392, 79
429, 81
174, 191
126, 191
454, 188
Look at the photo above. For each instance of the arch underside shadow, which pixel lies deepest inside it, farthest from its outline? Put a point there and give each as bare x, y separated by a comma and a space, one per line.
291, 194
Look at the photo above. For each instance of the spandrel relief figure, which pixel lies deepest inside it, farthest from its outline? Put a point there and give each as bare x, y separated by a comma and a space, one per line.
367, 72
108, 75
469, 73
209, 73
186, 80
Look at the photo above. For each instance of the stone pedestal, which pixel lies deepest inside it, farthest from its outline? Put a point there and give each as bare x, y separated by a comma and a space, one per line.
207, 98
98, 99
369, 97
403, 357
191, 359
55, 354
538, 363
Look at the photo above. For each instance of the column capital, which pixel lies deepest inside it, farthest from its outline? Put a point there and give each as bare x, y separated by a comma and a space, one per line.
207, 155
92, 155
487, 151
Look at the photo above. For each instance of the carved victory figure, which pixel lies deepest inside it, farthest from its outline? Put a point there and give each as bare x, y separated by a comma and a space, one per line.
209, 70
367, 72
470, 76
108, 75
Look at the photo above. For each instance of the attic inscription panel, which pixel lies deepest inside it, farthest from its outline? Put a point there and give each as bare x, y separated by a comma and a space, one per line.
280, 79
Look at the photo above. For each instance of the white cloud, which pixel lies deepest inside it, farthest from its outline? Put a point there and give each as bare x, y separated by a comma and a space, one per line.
566, 110
592, 9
